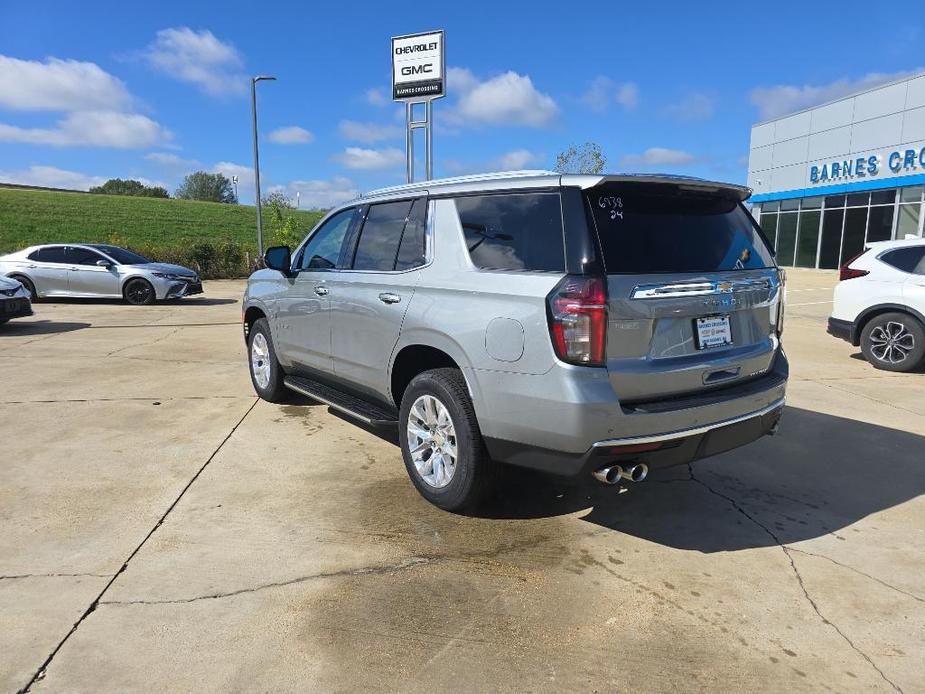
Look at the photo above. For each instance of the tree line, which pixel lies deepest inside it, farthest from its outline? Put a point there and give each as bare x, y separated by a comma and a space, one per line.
200, 185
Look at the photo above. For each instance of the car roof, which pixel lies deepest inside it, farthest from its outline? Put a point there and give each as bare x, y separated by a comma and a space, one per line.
527, 179
896, 243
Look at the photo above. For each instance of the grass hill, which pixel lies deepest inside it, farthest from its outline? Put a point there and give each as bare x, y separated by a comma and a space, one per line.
215, 239
38, 216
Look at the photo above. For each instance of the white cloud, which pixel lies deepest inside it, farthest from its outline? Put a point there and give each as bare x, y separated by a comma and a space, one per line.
319, 193
628, 95
290, 135
92, 128
52, 177
172, 162
692, 107
59, 85
782, 99
603, 90
368, 132
509, 161
376, 97
197, 57
362, 158
507, 99
658, 156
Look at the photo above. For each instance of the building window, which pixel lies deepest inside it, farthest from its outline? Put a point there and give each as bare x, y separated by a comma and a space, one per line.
786, 237
832, 221
808, 238
855, 226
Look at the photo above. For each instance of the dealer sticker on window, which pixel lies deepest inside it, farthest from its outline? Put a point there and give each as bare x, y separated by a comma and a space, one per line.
713, 331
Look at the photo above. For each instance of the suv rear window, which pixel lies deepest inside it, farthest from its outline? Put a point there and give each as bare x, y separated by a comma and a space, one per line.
521, 231
660, 228
906, 259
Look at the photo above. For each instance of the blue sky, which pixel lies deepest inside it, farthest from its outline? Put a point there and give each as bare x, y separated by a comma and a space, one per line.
95, 90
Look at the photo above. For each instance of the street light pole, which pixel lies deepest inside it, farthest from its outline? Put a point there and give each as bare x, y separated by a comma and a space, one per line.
254, 81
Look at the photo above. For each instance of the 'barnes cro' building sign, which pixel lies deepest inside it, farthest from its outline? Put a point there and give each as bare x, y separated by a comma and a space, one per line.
898, 162
418, 68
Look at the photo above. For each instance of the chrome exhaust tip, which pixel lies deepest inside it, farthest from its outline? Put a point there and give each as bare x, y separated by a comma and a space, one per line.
635, 473
609, 474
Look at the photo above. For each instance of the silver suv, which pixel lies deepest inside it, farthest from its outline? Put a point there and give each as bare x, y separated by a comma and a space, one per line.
575, 324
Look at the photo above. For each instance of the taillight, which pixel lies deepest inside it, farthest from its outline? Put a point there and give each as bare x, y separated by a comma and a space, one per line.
781, 302
578, 320
847, 273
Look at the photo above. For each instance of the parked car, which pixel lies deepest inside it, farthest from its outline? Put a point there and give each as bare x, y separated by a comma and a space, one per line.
97, 270
576, 324
879, 304
15, 301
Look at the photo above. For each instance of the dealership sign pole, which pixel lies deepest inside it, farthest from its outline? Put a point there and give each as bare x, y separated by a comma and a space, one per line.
419, 77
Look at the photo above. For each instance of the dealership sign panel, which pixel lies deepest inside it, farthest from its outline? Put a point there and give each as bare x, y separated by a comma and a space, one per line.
418, 67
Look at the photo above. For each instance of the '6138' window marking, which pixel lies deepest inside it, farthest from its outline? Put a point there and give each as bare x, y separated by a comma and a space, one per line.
612, 203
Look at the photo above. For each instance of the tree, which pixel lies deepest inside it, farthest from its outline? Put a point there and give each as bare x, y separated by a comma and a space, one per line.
211, 187
586, 159
278, 199
117, 186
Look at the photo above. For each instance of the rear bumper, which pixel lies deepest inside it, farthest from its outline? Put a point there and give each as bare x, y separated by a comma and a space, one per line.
675, 448
572, 425
15, 307
842, 329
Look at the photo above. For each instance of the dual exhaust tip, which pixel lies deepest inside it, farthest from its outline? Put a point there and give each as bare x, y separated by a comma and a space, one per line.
612, 474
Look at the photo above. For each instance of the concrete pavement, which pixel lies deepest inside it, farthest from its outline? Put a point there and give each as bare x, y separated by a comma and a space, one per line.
161, 529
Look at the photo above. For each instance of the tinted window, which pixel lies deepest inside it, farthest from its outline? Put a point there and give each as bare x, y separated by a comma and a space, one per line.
883, 197
513, 232
53, 254
907, 259
657, 228
411, 251
323, 249
381, 235
122, 256
82, 256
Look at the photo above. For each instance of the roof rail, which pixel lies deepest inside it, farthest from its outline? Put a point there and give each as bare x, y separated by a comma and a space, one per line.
422, 185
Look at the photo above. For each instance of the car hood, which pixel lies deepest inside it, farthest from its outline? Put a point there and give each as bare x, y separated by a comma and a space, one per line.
8, 283
167, 268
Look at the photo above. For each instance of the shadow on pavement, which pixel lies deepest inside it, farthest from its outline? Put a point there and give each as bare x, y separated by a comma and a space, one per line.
819, 475
192, 301
40, 327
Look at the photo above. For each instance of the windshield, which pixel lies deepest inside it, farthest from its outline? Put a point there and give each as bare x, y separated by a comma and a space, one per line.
122, 256
646, 228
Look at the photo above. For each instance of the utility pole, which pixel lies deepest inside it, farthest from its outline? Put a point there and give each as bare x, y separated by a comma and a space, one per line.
254, 81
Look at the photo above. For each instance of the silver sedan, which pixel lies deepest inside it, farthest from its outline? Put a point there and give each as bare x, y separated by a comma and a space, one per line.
14, 300
97, 270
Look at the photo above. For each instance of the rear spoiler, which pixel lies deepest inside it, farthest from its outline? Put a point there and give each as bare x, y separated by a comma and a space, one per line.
585, 181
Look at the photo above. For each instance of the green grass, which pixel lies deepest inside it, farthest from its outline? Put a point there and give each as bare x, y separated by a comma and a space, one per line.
29, 217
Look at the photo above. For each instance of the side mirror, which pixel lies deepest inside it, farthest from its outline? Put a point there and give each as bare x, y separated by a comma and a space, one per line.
102, 262
278, 258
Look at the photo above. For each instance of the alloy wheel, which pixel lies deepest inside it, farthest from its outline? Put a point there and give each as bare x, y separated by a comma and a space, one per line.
139, 292
260, 360
891, 342
432, 441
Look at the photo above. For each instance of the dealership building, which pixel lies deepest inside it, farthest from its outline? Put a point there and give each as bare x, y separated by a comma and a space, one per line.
829, 179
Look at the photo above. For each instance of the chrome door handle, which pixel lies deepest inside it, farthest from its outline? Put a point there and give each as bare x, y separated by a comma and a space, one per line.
75, 269
389, 298
321, 291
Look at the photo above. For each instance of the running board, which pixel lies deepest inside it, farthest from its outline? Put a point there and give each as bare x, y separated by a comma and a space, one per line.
350, 405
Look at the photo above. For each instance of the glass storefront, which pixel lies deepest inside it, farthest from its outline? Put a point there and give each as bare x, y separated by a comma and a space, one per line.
826, 232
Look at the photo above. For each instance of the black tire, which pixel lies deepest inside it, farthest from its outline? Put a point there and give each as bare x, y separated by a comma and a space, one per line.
474, 471
139, 292
274, 390
894, 342
27, 283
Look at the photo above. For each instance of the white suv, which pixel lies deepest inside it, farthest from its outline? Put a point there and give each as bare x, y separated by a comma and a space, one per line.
880, 304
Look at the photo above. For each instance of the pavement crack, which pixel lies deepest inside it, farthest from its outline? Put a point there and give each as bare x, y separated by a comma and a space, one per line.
43, 669
788, 551
859, 572
144, 344
362, 571
14, 577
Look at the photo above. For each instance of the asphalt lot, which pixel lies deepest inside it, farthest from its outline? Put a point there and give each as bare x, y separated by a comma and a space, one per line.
161, 529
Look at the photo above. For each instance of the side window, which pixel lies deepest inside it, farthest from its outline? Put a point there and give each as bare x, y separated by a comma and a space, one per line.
521, 231
411, 251
53, 254
81, 256
323, 248
381, 236
907, 259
